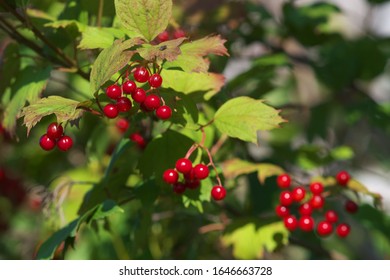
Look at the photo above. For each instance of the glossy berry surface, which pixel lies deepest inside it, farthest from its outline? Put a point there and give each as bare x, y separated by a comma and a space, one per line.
316, 188
317, 201
179, 33
114, 91
163, 36
123, 104
306, 223
324, 228
64, 143
201, 171
170, 176
129, 87
286, 198
47, 143
139, 95
343, 230
305, 209
343, 178
122, 125
54, 130
298, 193
282, 211
152, 102
283, 180
218, 192
138, 139
164, 112
155, 80
183, 165
351, 206
331, 216
179, 188
290, 222
110, 111
141, 74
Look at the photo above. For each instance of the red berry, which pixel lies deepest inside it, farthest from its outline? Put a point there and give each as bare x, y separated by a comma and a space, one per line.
283, 180
201, 171
152, 102
111, 111
342, 178
218, 192
155, 80
331, 216
170, 176
179, 188
183, 165
179, 33
317, 201
129, 87
164, 112
122, 125
298, 193
54, 130
138, 139
290, 222
316, 188
343, 230
114, 91
286, 198
351, 206
47, 143
141, 74
324, 228
139, 95
306, 223
305, 209
65, 143
163, 36
123, 104
282, 211
194, 184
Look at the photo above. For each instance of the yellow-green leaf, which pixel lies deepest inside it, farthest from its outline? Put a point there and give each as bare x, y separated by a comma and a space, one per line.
168, 50
266, 170
235, 167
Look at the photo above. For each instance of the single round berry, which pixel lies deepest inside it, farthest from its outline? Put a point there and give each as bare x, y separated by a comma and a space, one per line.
47, 143
179, 33
129, 87
286, 198
316, 188
218, 192
305, 209
64, 143
201, 171
141, 74
317, 201
144, 108
163, 36
290, 222
138, 139
139, 95
152, 102
155, 80
179, 188
306, 223
183, 165
164, 112
343, 230
324, 228
114, 91
122, 125
282, 211
298, 193
343, 178
111, 111
170, 176
331, 216
190, 176
194, 184
351, 206
54, 130
123, 104
283, 180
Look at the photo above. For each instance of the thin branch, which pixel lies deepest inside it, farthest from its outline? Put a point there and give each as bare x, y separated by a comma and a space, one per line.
100, 13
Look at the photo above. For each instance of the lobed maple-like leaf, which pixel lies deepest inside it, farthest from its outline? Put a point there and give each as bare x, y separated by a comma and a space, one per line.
168, 50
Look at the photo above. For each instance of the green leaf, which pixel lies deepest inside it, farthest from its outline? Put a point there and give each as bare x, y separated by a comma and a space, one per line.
28, 86
342, 153
64, 23
9, 65
64, 109
242, 117
187, 83
250, 239
146, 18
236, 167
110, 61
103, 210
95, 38
168, 50
266, 170
360, 188
199, 195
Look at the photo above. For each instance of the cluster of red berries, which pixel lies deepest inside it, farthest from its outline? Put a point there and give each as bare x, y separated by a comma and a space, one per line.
165, 35
55, 137
309, 201
190, 178
148, 102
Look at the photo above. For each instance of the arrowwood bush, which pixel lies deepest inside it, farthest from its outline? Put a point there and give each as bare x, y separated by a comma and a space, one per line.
162, 129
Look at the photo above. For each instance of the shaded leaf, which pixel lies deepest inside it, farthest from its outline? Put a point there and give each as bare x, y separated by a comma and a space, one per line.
235, 167
342, 153
266, 170
9, 64
66, 23
168, 50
